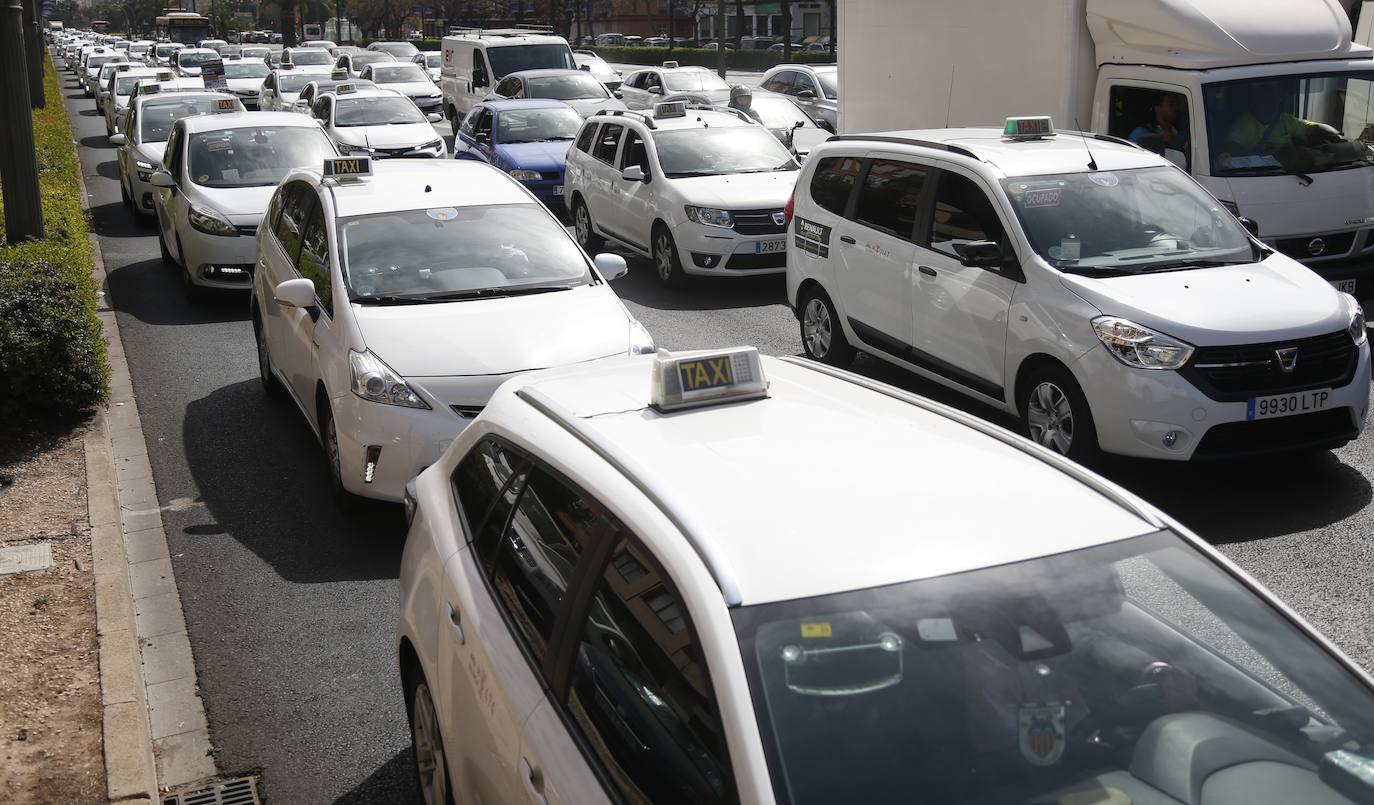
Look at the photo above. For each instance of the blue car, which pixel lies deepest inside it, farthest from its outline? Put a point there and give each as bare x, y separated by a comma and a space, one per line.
528, 138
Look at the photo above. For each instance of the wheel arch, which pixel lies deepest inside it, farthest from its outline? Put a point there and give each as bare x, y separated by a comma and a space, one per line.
1032, 363
803, 289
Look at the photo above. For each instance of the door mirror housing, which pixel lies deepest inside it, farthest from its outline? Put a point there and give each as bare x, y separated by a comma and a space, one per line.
482, 137
611, 266
618, 94
1251, 226
807, 94
118, 139
633, 173
980, 253
299, 292
162, 178
433, 117
655, 90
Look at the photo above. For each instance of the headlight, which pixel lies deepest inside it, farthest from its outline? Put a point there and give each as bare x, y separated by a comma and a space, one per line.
437, 145
1139, 346
1356, 326
210, 222
374, 381
709, 216
641, 343
524, 175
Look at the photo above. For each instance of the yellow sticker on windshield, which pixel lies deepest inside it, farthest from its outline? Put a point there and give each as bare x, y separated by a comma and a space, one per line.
815, 629
203, 178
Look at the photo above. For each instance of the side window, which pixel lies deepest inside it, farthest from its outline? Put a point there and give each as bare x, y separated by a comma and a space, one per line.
486, 486
508, 87
321, 110
634, 80
651, 80
639, 692
961, 213
635, 152
479, 70
780, 82
483, 125
833, 182
1156, 120
805, 82
607, 141
551, 526
313, 263
173, 158
584, 138
274, 210
270, 83
295, 206
890, 196
470, 122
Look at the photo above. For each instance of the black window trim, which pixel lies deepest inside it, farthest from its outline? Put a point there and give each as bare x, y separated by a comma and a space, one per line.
299, 184
1012, 269
318, 206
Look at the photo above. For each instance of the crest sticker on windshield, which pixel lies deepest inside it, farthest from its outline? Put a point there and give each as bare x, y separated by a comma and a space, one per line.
1042, 734
442, 213
1104, 179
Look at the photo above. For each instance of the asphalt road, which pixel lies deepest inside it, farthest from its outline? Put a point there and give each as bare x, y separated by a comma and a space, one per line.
291, 607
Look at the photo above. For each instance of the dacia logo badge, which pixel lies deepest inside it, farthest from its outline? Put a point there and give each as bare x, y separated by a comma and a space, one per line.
1316, 246
1288, 358
780, 218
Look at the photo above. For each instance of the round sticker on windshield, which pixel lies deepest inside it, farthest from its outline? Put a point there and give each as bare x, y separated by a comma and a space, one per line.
1104, 179
442, 213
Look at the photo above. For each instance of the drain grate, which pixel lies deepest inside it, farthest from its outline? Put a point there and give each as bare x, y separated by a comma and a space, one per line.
243, 791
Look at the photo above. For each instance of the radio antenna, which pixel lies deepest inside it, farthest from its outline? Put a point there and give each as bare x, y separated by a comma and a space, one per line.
1092, 163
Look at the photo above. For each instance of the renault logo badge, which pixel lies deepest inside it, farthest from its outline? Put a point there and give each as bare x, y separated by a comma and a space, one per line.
1288, 358
1316, 246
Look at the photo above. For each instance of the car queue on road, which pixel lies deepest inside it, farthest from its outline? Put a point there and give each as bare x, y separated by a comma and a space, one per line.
585, 618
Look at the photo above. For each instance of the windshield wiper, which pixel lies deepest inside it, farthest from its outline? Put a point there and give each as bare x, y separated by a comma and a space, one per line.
1093, 271
1176, 265
493, 293
691, 174
387, 299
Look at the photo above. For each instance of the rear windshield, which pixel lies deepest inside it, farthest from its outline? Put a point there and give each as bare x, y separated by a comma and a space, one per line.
311, 56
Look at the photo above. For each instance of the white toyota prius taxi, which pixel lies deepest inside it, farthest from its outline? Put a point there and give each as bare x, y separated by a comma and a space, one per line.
634, 582
391, 298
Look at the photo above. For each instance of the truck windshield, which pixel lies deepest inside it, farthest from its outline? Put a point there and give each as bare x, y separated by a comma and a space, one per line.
509, 59
1291, 124
1130, 221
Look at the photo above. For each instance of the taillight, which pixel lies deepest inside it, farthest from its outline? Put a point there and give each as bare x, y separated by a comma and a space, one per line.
787, 208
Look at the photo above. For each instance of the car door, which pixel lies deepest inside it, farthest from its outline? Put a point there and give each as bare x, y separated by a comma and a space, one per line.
636, 199
168, 198
317, 341
480, 82
632, 91
288, 328
269, 93
505, 595
876, 249
605, 188
322, 111
961, 311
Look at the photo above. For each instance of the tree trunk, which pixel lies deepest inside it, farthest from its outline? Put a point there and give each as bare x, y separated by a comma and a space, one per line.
739, 22
786, 30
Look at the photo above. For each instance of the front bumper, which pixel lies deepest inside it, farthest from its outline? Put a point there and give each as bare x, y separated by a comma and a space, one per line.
403, 442
142, 193
1134, 409
219, 262
719, 252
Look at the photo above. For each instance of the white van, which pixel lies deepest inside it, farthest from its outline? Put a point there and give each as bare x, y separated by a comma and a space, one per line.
475, 59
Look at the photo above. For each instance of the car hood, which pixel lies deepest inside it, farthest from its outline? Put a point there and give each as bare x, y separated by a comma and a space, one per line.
1272, 300
497, 336
590, 106
413, 89
243, 205
542, 157
387, 136
190, 71
1283, 207
243, 83
741, 191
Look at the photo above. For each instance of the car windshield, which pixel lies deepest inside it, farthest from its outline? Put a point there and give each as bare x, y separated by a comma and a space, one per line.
110, 68
399, 74
1291, 125
294, 82
301, 56
194, 59
375, 111
693, 81
231, 51
537, 125
256, 53
830, 83
779, 113
163, 51
508, 59
1137, 671
434, 60
96, 62
364, 59
724, 149
156, 119
249, 69
566, 87
398, 49
458, 252
1147, 219
256, 156
125, 85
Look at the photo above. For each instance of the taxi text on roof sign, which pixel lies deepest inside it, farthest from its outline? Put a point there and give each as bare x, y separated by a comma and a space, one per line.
346, 167
226, 105
689, 379
1028, 128
149, 88
669, 109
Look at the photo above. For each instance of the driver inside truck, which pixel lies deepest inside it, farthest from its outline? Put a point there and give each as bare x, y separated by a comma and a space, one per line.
1267, 126
1162, 130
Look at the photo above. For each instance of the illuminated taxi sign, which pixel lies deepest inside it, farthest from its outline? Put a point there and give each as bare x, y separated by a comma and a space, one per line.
148, 88
165, 75
347, 167
226, 105
670, 65
344, 89
1028, 128
670, 109
688, 379
338, 74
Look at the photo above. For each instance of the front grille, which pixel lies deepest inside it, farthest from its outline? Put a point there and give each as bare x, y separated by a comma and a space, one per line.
758, 222
740, 262
1320, 430
1331, 245
550, 176
1234, 374
466, 411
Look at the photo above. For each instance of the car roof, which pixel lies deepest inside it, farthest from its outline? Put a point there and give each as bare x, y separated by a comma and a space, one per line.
174, 95
372, 91
826, 486
1064, 152
546, 71
524, 103
229, 120
410, 184
699, 119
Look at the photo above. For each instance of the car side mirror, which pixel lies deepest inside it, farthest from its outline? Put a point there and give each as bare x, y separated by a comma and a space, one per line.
633, 173
433, 117
979, 253
118, 139
586, 68
162, 178
618, 94
611, 266
1251, 226
482, 137
825, 124
807, 94
299, 292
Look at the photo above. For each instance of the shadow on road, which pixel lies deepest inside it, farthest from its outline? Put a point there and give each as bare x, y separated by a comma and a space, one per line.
263, 480
151, 291
394, 782
114, 220
96, 141
109, 169
642, 286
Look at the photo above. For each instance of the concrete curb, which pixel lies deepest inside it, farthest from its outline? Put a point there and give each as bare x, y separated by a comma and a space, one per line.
155, 731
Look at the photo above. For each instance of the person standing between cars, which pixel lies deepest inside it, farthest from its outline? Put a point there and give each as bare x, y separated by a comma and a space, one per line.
743, 100
1162, 131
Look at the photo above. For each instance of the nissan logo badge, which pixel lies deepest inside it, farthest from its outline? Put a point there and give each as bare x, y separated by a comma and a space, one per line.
1316, 246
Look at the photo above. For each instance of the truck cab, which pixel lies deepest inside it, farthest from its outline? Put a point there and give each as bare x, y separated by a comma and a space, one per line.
474, 60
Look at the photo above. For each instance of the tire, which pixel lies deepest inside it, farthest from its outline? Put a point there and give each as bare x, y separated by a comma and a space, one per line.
1055, 414
124, 195
427, 743
585, 233
822, 334
667, 264
162, 247
271, 386
329, 440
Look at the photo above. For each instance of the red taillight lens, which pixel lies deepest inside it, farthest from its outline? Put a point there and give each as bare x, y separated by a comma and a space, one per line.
787, 208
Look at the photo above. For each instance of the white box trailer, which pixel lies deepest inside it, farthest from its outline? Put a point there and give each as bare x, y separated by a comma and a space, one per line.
1271, 102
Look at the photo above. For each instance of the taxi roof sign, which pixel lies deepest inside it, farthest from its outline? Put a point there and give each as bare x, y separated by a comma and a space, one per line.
338, 74
165, 75
347, 167
147, 88
1028, 128
670, 109
227, 105
670, 65
706, 377
344, 89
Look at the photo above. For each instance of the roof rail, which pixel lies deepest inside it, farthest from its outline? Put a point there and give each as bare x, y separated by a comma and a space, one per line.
953, 149
1104, 488
660, 494
648, 119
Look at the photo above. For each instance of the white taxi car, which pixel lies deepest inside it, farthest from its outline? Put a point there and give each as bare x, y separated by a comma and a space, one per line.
586, 617
1079, 282
218, 173
244, 78
700, 192
645, 88
143, 132
283, 86
377, 122
116, 90
391, 298
409, 80
187, 61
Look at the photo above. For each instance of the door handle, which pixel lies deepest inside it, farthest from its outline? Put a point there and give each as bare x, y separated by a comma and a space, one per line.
455, 620
847, 239
927, 270
534, 782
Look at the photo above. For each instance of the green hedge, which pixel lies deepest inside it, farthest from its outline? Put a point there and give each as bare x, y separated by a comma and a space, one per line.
52, 354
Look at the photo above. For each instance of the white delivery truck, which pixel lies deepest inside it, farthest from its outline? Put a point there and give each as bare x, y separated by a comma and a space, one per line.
1269, 104
475, 59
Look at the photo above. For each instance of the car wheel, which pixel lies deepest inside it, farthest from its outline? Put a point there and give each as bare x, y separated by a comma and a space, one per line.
1055, 414
666, 262
162, 247
271, 386
821, 333
329, 436
582, 226
431, 768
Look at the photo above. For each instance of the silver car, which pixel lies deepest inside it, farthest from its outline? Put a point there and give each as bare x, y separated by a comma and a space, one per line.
814, 87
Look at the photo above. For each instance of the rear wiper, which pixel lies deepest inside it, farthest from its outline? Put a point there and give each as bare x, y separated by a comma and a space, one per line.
492, 293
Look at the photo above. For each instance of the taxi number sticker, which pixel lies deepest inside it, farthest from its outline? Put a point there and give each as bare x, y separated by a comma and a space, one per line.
708, 373
218, 145
1040, 198
815, 629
